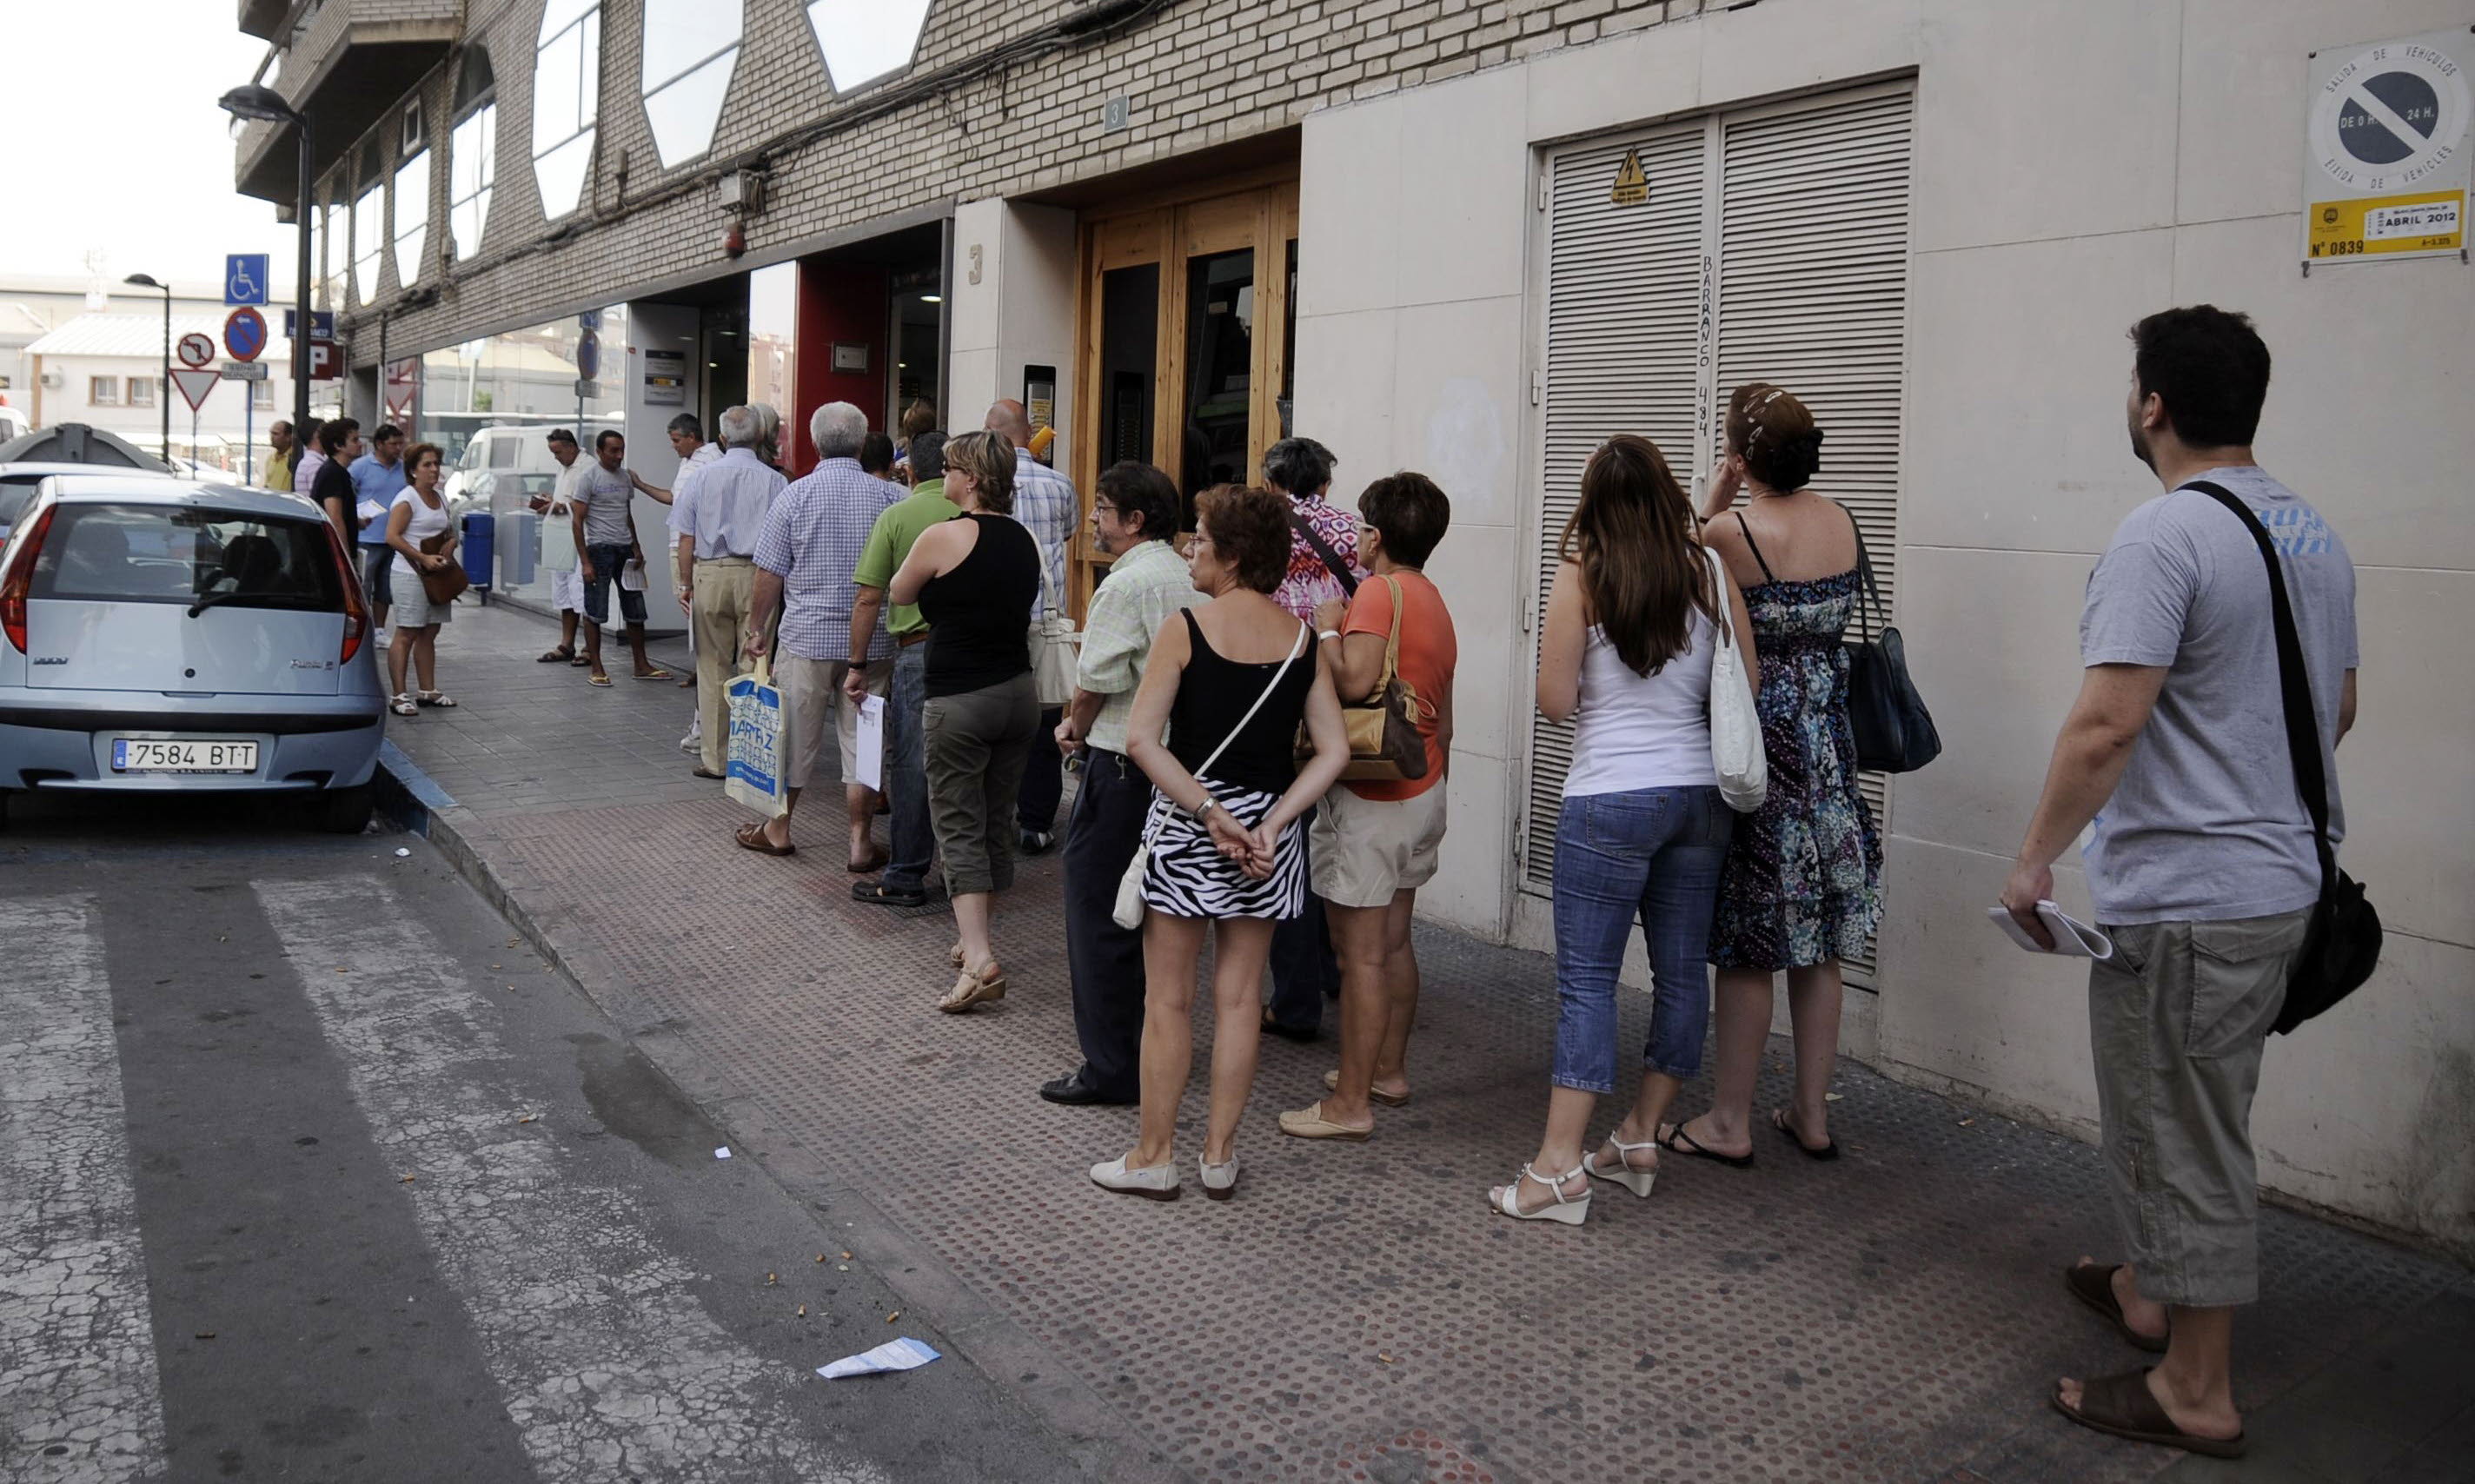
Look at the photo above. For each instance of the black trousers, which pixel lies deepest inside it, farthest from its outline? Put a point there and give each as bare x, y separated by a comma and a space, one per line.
1105, 961
1304, 970
1043, 777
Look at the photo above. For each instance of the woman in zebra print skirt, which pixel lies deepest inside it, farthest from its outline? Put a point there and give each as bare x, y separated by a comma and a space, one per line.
1230, 682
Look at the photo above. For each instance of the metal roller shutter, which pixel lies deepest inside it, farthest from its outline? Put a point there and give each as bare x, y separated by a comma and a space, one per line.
1796, 216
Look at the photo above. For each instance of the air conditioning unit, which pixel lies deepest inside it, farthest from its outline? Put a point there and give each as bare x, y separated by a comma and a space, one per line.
56, 379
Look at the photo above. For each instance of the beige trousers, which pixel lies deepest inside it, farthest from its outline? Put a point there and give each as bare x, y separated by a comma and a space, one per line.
724, 590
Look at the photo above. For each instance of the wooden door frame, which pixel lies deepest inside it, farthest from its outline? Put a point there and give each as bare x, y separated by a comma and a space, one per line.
1257, 210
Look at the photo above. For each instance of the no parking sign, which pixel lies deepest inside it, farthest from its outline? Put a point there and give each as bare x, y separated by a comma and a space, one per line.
2386, 154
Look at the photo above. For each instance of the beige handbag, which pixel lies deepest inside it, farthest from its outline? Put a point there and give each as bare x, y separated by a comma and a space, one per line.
1056, 645
1384, 741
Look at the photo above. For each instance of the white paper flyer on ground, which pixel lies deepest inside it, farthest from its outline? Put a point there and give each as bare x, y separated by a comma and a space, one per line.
867, 769
903, 1354
2072, 937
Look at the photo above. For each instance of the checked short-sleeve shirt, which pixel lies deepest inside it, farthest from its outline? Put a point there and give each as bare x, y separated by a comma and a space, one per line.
1142, 589
1044, 503
812, 540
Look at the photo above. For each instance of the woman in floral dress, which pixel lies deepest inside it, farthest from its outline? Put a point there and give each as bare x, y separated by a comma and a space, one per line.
1803, 885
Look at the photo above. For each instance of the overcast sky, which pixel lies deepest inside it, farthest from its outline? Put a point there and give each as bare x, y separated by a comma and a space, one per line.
118, 148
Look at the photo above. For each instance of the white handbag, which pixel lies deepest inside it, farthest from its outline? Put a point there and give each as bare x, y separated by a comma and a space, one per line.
1735, 723
1056, 647
1129, 913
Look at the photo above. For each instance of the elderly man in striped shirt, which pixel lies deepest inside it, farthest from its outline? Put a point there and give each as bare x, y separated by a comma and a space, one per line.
1045, 502
805, 562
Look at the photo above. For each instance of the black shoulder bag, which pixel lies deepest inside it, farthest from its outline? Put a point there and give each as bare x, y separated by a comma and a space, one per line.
2344, 942
1894, 733
1299, 523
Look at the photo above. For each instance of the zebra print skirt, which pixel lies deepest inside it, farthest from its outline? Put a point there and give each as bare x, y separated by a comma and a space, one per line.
1189, 877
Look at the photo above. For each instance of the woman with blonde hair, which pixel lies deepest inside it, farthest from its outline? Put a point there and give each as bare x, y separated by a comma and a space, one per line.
1228, 682
982, 705
1803, 880
1637, 613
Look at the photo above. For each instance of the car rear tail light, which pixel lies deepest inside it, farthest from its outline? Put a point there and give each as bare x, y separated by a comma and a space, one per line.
16, 582
356, 615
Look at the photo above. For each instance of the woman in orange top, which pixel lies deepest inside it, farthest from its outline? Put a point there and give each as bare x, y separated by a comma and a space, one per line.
1375, 843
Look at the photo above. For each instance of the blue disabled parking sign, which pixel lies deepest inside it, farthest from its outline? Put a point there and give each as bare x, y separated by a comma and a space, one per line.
245, 277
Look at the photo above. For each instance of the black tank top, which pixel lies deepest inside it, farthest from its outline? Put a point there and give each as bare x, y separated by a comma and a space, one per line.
1211, 696
979, 614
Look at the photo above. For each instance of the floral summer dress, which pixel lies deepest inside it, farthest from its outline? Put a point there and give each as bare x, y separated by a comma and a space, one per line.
1803, 879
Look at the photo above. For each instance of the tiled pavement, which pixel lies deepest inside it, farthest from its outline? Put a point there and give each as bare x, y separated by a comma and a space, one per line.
1355, 1314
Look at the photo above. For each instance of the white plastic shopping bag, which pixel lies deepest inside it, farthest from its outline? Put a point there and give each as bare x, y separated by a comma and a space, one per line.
756, 740
559, 540
867, 769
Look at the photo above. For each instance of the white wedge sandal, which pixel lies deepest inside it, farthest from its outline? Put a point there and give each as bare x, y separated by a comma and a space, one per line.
1638, 1181
1571, 1210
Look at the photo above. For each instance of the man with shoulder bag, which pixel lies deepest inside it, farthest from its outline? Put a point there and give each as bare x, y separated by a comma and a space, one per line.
2218, 636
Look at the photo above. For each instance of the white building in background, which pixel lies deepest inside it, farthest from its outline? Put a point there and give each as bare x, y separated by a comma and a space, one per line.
107, 369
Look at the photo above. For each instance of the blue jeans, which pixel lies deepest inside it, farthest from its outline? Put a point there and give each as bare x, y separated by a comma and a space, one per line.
913, 838
1651, 852
607, 560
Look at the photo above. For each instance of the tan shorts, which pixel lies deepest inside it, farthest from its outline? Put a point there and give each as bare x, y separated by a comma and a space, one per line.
1364, 850
813, 704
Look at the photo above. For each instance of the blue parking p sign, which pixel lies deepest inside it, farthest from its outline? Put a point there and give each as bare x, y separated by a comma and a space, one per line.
245, 277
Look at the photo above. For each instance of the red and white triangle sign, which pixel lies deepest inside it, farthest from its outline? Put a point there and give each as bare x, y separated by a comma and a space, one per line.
194, 386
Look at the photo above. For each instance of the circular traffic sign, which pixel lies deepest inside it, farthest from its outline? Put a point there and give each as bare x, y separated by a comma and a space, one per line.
245, 334
195, 350
588, 355
2388, 115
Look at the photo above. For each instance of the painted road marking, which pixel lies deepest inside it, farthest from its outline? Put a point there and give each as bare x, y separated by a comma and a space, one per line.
608, 1362
80, 1402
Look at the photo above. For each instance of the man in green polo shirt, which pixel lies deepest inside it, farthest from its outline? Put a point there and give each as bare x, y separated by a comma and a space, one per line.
905, 878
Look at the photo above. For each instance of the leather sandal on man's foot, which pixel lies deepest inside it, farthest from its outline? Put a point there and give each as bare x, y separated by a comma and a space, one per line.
2092, 1284
882, 894
752, 836
561, 655
2124, 1406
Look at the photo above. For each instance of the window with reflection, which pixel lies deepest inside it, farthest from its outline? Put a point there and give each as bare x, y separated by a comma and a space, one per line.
472, 151
690, 48
566, 100
369, 223
1219, 368
864, 40
412, 194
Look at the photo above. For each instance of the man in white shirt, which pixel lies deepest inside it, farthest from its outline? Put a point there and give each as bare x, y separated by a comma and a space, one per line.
718, 513
558, 509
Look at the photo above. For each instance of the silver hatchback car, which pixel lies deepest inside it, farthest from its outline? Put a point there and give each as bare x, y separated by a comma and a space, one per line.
159, 636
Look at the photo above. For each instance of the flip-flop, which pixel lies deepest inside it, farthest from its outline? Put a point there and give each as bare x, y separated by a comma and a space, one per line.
579, 660
599, 680
556, 657
752, 836
883, 895
2124, 1406
2093, 1286
1828, 1151
1680, 1142
1331, 1079
657, 674
875, 863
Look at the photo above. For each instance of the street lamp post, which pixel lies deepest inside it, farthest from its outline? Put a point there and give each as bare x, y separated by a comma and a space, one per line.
162, 387
266, 104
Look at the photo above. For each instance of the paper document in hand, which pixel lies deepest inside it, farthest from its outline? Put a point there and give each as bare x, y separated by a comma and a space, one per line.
2072, 937
867, 769
903, 1354
369, 510
631, 577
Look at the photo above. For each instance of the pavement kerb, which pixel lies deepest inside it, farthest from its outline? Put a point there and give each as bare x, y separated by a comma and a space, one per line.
1090, 1428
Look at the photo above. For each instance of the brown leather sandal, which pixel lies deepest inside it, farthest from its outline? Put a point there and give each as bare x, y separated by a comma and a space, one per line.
2092, 1284
752, 836
2124, 1406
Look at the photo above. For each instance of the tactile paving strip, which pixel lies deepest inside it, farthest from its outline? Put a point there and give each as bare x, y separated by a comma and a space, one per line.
1356, 1313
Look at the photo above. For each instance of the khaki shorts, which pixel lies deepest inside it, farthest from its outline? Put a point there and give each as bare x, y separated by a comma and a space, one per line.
2177, 1019
812, 704
1363, 850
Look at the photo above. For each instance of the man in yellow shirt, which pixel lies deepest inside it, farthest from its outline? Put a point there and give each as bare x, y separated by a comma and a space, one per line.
278, 467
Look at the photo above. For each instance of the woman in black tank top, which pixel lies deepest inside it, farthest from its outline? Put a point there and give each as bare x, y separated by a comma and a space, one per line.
1230, 683
975, 579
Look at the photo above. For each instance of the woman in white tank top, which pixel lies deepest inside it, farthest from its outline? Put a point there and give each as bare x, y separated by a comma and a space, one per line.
1626, 655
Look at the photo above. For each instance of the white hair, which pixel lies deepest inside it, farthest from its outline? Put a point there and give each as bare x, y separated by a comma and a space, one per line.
739, 426
837, 429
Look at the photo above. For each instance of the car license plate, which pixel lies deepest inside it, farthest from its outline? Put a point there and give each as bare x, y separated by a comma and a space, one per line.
181, 755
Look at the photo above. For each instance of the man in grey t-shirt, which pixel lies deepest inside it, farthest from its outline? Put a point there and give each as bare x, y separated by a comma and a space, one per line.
2202, 865
605, 546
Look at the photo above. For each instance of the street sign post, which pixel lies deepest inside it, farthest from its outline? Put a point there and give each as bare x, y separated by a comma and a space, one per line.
244, 333
195, 384
195, 350
245, 277
322, 325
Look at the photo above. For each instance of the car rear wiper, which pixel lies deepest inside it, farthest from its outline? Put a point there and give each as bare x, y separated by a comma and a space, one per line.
206, 600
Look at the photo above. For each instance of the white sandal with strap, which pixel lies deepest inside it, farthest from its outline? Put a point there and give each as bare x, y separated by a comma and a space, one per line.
404, 705
1571, 1210
1638, 1181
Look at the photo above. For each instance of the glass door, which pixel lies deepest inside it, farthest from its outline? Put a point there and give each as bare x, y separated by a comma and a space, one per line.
1185, 343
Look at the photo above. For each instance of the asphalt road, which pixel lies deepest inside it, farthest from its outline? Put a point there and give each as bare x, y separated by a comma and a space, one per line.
308, 1170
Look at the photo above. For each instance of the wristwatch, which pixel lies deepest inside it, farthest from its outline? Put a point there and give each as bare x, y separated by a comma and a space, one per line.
1204, 809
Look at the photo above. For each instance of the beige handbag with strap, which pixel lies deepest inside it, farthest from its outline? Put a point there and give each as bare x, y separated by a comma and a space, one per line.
1384, 741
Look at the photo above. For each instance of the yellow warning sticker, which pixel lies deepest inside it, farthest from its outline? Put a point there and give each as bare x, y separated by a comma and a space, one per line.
1632, 183
2433, 222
